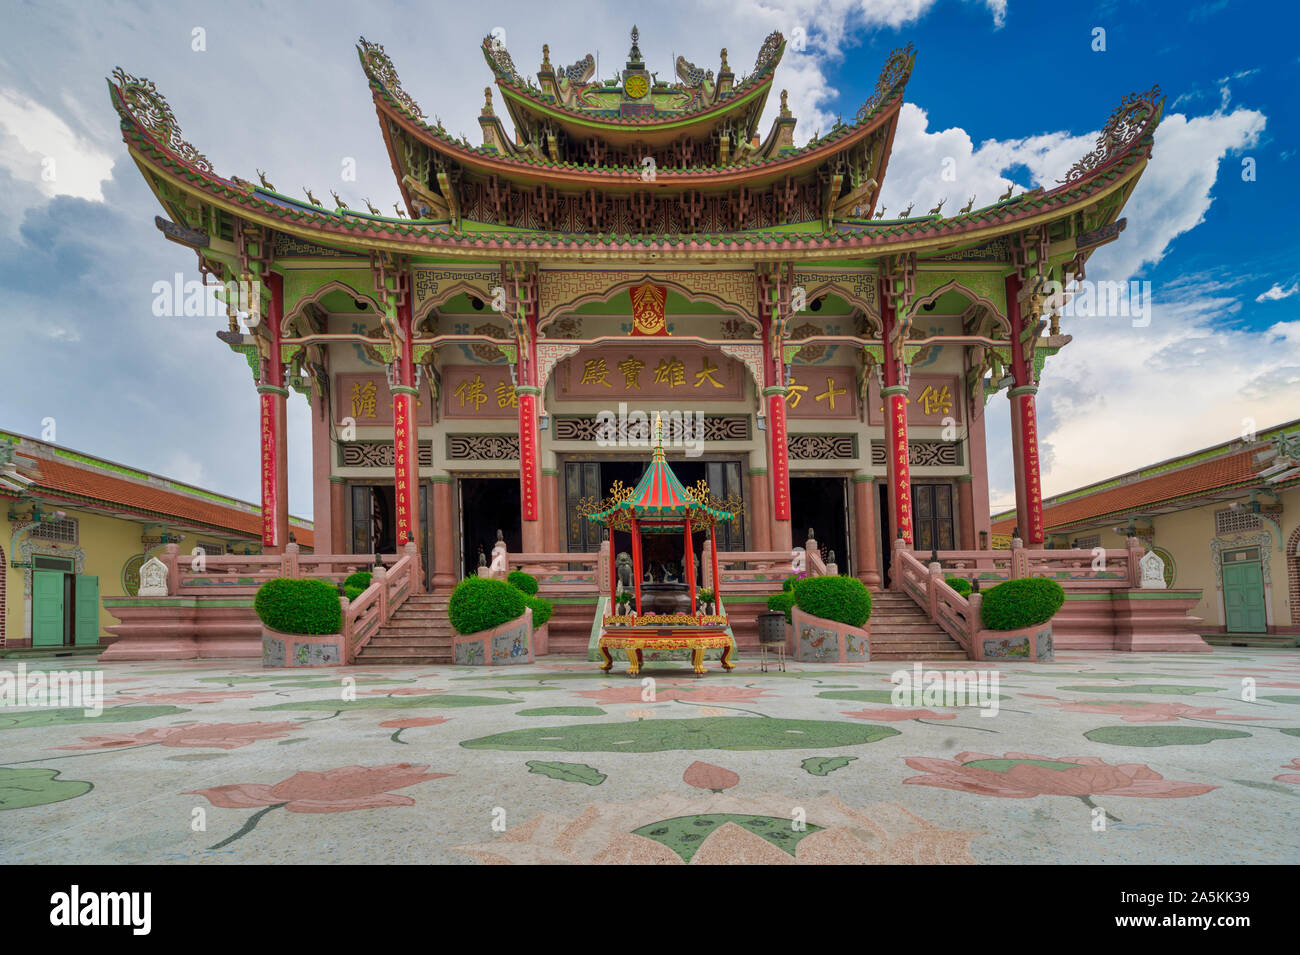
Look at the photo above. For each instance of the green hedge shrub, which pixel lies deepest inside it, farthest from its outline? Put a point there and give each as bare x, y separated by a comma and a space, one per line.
352, 593
788, 584
1025, 602
959, 584
480, 603
784, 602
542, 609
299, 606
525, 582
704, 596
361, 580
843, 599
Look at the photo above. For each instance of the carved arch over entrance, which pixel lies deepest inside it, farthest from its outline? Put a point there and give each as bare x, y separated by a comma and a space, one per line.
313, 297
735, 292
957, 285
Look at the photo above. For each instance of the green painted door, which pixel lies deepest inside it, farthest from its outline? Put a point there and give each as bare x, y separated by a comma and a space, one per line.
47, 608
86, 627
1243, 596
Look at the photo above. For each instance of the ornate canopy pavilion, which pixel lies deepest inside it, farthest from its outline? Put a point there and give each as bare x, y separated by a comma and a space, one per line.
633, 245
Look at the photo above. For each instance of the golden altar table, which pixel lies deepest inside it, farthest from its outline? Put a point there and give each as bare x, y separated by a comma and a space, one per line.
635, 640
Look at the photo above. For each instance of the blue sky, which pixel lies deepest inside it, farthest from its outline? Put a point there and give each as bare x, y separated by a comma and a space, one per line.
1010, 91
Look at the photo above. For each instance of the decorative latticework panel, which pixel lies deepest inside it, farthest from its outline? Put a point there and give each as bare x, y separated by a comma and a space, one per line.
1234, 521
483, 447
377, 454
716, 428
63, 531
815, 447
923, 454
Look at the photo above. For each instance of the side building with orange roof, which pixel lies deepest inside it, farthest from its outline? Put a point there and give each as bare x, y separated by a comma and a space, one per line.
77, 528
1225, 519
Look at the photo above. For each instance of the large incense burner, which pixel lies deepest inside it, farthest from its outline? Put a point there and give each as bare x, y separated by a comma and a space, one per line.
662, 612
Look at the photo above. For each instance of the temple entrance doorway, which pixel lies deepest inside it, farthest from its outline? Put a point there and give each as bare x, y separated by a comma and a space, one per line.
373, 528
822, 504
487, 505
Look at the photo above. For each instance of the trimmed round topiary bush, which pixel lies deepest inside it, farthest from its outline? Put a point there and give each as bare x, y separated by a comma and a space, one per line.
352, 593
299, 606
842, 599
480, 603
1024, 602
361, 580
959, 584
788, 584
784, 602
542, 609
525, 582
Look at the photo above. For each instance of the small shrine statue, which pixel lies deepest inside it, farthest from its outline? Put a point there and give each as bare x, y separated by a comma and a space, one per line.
623, 569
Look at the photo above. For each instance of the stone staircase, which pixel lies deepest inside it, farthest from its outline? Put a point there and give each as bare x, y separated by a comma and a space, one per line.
419, 633
900, 630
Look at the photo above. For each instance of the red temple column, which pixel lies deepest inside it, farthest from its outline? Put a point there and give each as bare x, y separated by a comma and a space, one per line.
406, 461
894, 392
529, 440
717, 578
274, 453
778, 462
864, 511
1024, 425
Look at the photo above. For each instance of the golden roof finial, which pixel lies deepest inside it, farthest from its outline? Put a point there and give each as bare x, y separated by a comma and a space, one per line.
546, 56
785, 102
487, 101
724, 68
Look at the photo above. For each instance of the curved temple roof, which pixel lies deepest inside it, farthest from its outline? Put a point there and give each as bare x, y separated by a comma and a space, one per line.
153, 136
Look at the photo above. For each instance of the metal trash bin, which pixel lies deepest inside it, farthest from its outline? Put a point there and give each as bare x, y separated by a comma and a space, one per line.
771, 636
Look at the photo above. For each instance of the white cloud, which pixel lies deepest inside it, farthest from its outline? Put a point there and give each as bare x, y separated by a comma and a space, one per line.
1277, 292
38, 147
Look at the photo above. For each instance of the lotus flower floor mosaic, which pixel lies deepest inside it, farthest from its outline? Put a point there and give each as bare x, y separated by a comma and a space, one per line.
220, 762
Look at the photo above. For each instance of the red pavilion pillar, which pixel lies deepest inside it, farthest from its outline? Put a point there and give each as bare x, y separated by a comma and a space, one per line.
406, 459
688, 562
1024, 424
894, 391
272, 396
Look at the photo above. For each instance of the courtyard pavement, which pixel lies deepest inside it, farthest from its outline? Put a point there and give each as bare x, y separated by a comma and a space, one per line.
1096, 758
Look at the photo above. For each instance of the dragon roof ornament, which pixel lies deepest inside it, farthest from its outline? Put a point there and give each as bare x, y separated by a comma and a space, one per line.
499, 59
894, 73
1133, 115
770, 51
139, 101
581, 71
379, 68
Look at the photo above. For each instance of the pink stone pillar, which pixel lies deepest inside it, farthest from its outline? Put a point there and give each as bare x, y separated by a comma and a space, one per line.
760, 523
326, 539
551, 511
444, 570
865, 523
966, 514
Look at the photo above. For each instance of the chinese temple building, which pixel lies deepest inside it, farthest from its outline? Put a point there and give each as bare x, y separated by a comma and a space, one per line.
1222, 519
76, 530
487, 353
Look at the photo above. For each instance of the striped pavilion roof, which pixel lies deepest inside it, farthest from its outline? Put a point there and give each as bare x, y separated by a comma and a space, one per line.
660, 494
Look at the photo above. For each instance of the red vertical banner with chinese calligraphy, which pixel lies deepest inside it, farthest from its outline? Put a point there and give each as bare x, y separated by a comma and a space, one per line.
528, 463
270, 482
780, 457
403, 487
900, 473
1029, 455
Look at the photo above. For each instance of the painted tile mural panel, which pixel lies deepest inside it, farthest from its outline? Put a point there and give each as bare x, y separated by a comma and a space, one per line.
511, 646
816, 643
272, 652
1007, 648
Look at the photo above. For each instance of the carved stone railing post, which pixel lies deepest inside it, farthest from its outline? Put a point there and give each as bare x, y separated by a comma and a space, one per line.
1019, 560
896, 565
417, 567
976, 601
171, 557
1135, 551
289, 561
380, 577
932, 588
